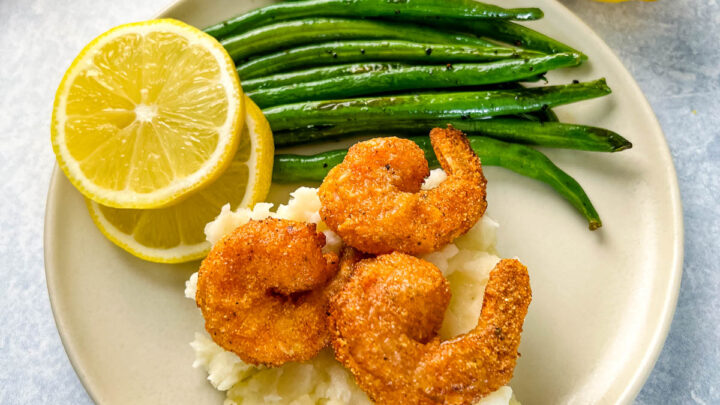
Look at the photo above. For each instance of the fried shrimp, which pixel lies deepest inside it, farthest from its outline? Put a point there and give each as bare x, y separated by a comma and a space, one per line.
384, 323
374, 202
264, 289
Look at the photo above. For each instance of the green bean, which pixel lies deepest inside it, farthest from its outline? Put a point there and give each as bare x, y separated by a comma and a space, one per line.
342, 52
508, 32
413, 77
547, 134
466, 9
289, 168
319, 133
287, 34
441, 106
521, 159
543, 115
553, 135
315, 74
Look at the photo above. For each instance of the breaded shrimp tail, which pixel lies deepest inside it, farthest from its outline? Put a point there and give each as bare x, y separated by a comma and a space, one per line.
449, 144
483, 360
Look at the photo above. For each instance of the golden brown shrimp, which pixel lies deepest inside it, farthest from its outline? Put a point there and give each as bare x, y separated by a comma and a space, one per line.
264, 289
384, 322
373, 198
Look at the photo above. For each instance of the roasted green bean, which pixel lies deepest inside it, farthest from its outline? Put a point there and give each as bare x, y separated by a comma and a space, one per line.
412, 78
343, 52
547, 134
441, 106
464, 9
287, 34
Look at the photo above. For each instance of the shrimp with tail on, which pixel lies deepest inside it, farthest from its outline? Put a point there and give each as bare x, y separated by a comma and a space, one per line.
374, 202
384, 323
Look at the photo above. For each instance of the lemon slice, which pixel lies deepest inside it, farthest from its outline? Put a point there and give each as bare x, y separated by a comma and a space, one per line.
176, 233
147, 113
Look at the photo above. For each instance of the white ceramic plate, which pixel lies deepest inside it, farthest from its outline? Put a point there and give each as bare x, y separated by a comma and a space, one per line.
602, 301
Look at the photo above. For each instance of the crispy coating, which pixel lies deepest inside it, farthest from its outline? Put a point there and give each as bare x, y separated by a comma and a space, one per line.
374, 202
263, 291
384, 324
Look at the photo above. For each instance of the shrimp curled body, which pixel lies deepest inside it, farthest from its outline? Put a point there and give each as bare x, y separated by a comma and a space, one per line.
263, 291
374, 202
384, 322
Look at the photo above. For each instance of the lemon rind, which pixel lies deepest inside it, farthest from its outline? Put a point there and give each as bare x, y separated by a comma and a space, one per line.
177, 254
262, 152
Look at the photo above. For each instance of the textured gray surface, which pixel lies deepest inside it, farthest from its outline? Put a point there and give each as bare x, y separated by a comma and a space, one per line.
669, 46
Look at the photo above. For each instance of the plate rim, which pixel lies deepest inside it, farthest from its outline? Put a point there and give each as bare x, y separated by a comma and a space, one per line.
671, 293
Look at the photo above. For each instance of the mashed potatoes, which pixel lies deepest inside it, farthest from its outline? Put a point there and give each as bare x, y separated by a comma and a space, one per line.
466, 264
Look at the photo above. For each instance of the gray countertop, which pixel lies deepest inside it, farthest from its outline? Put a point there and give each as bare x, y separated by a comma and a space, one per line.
669, 46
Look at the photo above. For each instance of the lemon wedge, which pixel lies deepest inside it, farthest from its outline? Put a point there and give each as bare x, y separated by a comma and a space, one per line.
176, 233
147, 113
